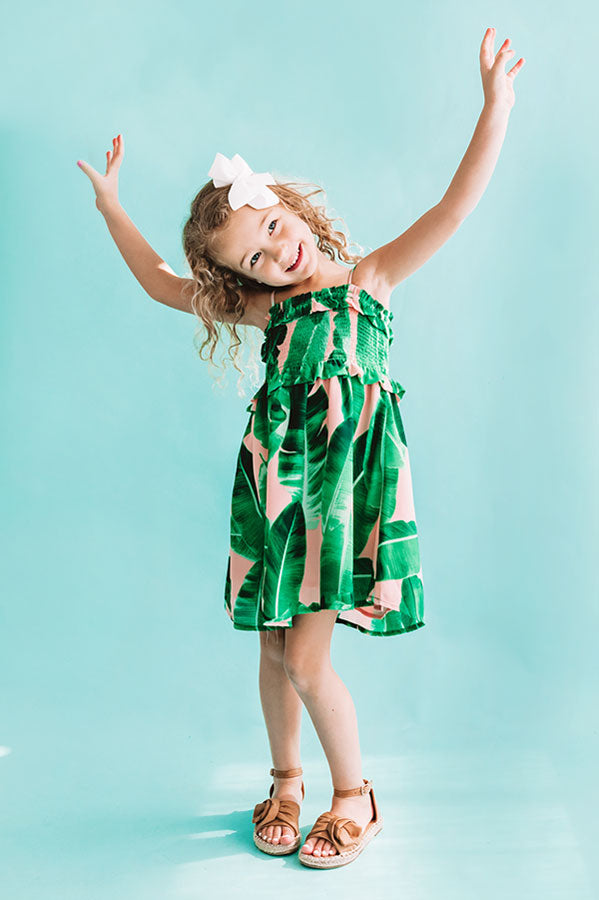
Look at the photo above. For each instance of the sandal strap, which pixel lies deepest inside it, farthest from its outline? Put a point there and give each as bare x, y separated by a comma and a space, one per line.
353, 792
272, 787
338, 830
274, 811
287, 773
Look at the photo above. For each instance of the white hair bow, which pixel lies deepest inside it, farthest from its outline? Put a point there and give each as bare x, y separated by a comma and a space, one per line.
246, 186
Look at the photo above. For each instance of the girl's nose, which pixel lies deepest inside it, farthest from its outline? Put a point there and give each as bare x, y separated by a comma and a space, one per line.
283, 257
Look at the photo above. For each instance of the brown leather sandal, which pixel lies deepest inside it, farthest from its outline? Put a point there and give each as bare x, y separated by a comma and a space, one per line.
344, 834
274, 811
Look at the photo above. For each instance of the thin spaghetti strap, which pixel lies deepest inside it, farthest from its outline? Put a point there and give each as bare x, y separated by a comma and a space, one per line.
351, 272
272, 297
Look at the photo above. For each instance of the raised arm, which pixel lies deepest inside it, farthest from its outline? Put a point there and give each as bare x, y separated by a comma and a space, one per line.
395, 261
153, 273
156, 277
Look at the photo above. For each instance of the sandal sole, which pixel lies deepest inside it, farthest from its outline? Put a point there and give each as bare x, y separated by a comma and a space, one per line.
341, 859
276, 849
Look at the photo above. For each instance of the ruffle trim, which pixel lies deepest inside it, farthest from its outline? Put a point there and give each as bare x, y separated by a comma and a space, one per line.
330, 369
389, 633
339, 296
342, 603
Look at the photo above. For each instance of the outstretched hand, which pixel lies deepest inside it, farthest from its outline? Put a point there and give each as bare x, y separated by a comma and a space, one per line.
498, 85
106, 186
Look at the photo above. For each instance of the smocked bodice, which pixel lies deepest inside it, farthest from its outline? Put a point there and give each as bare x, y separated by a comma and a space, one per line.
340, 330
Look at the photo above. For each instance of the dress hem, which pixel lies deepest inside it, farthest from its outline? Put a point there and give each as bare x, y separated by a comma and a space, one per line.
274, 626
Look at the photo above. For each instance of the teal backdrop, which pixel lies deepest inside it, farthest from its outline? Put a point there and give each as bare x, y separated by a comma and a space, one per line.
133, 746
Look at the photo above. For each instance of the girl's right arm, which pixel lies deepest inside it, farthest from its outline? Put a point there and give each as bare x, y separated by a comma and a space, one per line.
153, 273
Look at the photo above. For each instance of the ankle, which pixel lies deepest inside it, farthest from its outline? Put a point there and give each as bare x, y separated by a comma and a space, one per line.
294, 779
355, 800
291, 785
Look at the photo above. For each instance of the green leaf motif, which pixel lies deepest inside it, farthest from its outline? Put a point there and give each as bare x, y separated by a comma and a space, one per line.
303, 452
247, 516
284, 561
337, 513
323, 474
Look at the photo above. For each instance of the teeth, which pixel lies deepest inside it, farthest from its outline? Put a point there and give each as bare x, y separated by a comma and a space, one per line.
296, 256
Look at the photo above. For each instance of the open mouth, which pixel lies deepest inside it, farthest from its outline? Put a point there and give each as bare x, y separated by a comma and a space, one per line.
298, 259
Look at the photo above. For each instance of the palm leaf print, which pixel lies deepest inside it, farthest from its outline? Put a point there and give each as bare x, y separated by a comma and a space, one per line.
302, 455
398, 551
247, 516
322, 514
337, 513
284, 560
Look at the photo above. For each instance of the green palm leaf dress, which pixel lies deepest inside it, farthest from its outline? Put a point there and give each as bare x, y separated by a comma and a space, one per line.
322, 509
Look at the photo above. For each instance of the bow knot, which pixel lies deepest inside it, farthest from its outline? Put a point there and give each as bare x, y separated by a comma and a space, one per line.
338, 830
266, 811
274, 811
246, 186
352, 830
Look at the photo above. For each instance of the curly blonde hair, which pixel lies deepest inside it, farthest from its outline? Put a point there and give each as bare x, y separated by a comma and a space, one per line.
217, 291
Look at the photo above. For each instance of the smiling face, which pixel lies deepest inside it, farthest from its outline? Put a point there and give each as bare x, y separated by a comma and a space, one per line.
261, 244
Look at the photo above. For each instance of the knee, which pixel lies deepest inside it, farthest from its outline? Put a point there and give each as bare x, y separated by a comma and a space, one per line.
272, 646
303, 671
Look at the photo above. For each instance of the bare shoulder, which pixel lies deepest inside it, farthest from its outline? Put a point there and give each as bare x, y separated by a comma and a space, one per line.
396, 260
367, 277
256, 302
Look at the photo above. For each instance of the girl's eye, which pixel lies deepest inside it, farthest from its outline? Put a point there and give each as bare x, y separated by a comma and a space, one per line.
258, 254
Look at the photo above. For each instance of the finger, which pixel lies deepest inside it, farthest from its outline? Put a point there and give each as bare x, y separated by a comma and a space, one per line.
502, 49
85, 167
486, 49
516, 68
111, 157
116, 154
487, 40
502, 57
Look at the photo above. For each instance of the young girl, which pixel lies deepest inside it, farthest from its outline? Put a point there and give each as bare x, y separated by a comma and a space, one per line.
323, 528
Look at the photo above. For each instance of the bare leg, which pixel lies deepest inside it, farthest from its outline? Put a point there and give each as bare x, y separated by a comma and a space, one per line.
330, 706
282, 710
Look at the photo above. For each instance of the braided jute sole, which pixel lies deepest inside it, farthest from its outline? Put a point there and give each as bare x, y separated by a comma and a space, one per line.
278, 812
277, 849
343, 857
340, 859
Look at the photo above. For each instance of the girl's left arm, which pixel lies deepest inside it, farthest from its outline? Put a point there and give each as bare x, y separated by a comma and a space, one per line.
395, 261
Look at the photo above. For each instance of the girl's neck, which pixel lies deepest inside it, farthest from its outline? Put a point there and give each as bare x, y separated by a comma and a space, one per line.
326, 275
